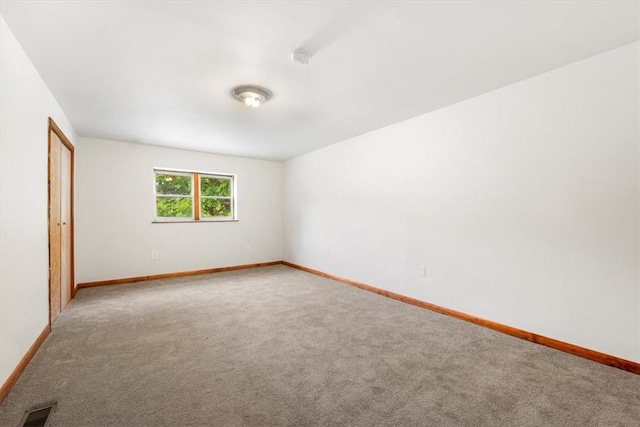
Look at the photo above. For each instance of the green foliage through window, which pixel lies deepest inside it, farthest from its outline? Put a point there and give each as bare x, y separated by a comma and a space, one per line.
215, 196
216, 207
176, 198
174, 207
210, 186
173, 184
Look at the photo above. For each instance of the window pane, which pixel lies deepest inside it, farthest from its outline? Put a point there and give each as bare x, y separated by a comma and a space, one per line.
216, 207
210, 186
178, 185
173, 207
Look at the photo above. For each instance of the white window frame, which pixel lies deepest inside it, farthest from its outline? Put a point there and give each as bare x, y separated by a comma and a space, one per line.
231, 198
196, 196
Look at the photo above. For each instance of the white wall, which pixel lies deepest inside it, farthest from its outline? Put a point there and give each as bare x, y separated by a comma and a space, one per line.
115, 208
522, 203
25, 107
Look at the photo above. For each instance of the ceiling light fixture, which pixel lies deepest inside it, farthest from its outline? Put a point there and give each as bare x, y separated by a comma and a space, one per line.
252, 96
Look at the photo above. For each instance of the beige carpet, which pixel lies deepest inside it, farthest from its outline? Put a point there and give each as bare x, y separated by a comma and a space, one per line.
276, 346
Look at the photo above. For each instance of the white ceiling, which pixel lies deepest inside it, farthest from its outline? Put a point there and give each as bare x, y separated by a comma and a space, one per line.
161, 73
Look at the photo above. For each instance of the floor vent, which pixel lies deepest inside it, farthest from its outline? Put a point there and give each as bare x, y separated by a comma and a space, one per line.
37, 417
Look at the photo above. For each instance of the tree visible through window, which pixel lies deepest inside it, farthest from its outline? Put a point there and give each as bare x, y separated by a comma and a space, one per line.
194, 196
215, 196
174, 195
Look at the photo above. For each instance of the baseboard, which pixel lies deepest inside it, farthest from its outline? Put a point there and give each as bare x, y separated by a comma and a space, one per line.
585, 353
173, 275
11, 380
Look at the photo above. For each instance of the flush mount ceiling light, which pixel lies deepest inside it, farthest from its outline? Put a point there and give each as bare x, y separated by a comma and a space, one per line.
252, 96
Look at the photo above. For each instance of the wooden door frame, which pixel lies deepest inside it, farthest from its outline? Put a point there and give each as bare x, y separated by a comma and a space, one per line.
65, 141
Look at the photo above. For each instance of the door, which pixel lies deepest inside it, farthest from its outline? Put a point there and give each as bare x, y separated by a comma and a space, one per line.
65, 228
55, 229
61, 283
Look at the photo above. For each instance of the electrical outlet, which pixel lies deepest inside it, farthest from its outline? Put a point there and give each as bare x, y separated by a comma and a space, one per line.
423, 270
154, 254
248, 248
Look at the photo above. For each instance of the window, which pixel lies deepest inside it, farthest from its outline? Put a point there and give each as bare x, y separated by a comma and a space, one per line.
194, 196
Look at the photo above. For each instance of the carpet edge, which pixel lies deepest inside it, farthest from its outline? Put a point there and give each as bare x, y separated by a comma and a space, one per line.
19, 369
126, 280
585, 353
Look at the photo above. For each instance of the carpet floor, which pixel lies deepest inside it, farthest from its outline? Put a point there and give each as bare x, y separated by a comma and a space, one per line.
275, 346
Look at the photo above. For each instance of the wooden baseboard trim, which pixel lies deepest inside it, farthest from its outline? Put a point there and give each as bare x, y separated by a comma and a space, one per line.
585, 353
173, 275
11, 380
